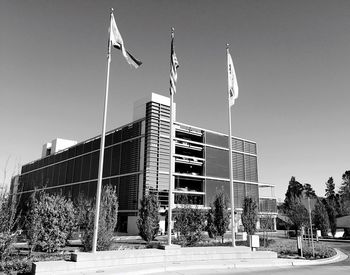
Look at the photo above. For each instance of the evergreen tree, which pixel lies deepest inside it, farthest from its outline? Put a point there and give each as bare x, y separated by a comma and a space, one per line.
107, 221
308, 191
210, 227
330, 189
249, 215
297, 213
320, 218
221, 214
332, 214
148, 222
295, 190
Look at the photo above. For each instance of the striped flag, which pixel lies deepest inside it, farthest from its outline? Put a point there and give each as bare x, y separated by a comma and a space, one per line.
174, 64
118, 43
232, 80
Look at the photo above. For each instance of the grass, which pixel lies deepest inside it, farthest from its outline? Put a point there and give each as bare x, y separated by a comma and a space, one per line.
287, 248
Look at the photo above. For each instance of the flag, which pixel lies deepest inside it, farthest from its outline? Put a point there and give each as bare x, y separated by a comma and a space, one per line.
118, 43
174, 64
232, 80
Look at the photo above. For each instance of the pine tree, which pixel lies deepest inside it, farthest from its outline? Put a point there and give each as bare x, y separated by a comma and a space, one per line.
320, 218
330, 189
148, 222
295, 190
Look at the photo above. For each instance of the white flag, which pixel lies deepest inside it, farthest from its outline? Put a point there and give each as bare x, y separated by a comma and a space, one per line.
117, 42
232, 80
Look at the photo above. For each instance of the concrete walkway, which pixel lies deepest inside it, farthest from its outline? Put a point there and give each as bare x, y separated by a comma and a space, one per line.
241, 264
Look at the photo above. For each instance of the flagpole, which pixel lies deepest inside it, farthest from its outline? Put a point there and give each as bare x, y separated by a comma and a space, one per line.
102, 146
230, 164
171, 161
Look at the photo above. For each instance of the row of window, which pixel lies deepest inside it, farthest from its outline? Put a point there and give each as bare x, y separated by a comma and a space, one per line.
113, 137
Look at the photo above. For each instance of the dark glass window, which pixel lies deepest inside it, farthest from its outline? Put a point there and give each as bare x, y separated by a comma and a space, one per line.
217, 163
108, 140
107, 162
85, 173
77, 169
70, 171
63, 173
94, 165
96, 143
117, 136
71, 152
87, 146
214, 187
79, 149
216, 139
115, 163
49, 176
56, 172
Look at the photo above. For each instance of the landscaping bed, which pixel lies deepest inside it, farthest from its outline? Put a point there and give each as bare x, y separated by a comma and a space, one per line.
287, 248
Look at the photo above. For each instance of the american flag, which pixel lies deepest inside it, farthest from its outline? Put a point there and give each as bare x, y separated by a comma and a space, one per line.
174, 64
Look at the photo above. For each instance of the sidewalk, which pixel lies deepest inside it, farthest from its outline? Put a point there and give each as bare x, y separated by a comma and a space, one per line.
210, 265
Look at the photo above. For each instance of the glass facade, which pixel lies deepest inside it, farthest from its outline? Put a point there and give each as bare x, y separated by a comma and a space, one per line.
136, 162
74, 170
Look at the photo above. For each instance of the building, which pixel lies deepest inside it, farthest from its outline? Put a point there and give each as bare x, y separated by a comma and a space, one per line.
136, 161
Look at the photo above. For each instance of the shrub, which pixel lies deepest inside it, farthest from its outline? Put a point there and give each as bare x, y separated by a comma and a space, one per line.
218, 217
189, 224
210, 227
107, 221
320, 218
8, 222
148, 222
51, 220
249, 215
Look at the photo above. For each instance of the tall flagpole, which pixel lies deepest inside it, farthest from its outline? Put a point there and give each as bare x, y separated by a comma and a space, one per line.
230, 161
102, 146
171, 162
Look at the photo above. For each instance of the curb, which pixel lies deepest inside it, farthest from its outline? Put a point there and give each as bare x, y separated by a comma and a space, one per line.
340, 256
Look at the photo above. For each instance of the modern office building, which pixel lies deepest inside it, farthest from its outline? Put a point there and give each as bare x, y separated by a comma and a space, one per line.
136, 161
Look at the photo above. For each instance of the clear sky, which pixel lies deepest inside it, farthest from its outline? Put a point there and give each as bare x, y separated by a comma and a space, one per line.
292, 62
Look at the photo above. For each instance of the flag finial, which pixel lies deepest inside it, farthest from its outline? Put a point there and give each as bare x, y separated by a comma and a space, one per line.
172, 32
112, 10
227, 45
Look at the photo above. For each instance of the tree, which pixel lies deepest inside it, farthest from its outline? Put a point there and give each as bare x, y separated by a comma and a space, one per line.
308, 191
51, 220
107, 221
330, 189
266, 224
148, 222
297, 214
249, 215
210, 227
8, 224
221, 214
320, 218
332, 215
344, 193
295, 190
189, 223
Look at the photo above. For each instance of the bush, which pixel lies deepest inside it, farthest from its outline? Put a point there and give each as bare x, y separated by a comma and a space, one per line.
189, 224
218, 217
107, 221
286, 248
148, 222
8, 222
249, 215
50, 221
